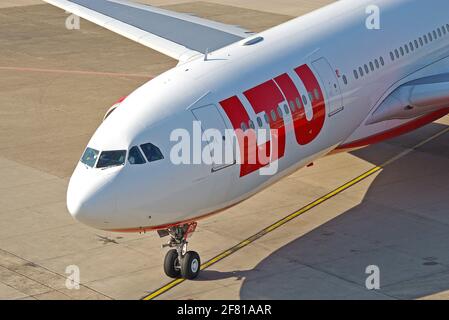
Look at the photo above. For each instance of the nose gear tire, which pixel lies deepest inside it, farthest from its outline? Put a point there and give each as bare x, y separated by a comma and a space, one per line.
172, 266
190, 265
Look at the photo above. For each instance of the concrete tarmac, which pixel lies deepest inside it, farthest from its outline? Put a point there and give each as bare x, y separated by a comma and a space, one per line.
56, 85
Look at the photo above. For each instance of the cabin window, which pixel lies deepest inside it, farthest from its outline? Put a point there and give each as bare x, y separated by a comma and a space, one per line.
259, 122
382, 62
298, 103
425, 39
345, 80
292, 105
267, 119
286, 109
251, 124
110, 159
435, 36
311, 98
371, 65
421, 42
439, 33
406, 49
412, 48
361, 71
304, 100
243, 126
402, 51
416, 44
280, 112
152, 153
356, 75
273, 115
90, 157
366, 69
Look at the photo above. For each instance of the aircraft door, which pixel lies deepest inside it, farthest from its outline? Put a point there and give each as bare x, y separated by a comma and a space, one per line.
331, 85
223, 151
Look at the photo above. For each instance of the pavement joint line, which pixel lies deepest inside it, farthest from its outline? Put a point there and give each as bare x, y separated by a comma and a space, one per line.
48, 270
292, 216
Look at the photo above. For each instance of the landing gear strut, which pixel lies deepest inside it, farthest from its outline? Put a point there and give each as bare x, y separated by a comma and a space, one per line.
178, 261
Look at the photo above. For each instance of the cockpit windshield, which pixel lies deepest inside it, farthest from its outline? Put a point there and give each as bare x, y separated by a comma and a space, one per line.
111, 159
107, 159
152, 152
90, 157
135, 156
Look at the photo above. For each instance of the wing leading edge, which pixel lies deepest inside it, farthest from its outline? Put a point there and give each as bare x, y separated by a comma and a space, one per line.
177, 35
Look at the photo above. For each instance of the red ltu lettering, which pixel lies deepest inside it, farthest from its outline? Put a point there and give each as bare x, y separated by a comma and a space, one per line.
309, 130
252, 156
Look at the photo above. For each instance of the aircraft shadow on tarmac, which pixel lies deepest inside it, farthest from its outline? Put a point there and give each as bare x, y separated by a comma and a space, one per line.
401, 226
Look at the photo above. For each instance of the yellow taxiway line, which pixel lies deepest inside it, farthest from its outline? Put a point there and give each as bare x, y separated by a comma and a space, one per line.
294, 215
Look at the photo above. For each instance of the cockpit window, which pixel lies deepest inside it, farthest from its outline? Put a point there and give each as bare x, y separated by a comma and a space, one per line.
135, 156
152, 152
90, 157
111, 159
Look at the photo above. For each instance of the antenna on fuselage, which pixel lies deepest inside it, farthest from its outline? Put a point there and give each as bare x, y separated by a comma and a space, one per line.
206, 54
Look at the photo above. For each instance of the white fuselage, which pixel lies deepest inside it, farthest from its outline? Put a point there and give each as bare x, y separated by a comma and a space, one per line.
325, 54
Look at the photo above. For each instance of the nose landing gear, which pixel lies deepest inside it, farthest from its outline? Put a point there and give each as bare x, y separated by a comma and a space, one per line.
178, 261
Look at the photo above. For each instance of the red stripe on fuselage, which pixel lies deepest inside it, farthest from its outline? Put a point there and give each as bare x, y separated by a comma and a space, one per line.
170, 225
392, 133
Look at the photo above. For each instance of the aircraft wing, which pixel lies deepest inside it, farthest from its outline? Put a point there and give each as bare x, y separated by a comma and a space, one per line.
177, 35
414, 99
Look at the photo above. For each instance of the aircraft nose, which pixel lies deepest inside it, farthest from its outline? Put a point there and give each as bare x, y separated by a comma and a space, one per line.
85, 207
91, 199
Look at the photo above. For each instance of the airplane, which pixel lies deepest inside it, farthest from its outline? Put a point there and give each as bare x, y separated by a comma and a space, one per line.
351, 74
